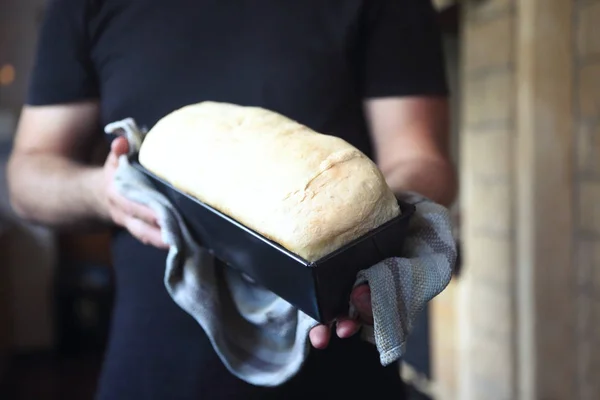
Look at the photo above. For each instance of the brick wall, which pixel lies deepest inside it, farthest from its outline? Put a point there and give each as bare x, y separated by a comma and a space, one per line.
587, 155
487, 135
495, 35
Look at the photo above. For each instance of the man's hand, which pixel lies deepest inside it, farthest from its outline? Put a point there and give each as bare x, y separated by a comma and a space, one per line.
138, 219
345, 327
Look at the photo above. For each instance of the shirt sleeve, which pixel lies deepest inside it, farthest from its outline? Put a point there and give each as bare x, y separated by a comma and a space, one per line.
403, 53
62, 71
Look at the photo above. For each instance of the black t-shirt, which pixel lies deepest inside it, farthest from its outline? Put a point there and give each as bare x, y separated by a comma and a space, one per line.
315, 61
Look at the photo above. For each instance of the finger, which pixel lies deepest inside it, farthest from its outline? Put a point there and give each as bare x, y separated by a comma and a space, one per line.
119, 146
135, 210
347, 328
319, 336
361, 298
145, 233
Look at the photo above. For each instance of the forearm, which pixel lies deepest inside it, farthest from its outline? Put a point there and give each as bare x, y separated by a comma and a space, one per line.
434, 179
54, 191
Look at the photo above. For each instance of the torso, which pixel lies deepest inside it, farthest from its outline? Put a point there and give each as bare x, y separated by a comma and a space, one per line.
295, 58
154, 56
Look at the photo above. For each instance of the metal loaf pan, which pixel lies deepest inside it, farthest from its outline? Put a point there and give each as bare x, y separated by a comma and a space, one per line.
321, 288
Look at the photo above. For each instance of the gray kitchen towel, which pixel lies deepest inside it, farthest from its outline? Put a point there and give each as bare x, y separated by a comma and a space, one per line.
260, 337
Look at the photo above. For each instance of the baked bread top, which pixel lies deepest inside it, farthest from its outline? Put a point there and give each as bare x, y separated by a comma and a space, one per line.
312, 193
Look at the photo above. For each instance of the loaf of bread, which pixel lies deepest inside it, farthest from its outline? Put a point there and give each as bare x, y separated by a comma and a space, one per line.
309, 192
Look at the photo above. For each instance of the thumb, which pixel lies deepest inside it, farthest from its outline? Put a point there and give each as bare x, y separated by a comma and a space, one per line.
119, 146
361, 298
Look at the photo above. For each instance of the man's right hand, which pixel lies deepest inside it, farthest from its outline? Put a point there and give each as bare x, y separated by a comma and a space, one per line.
138, 219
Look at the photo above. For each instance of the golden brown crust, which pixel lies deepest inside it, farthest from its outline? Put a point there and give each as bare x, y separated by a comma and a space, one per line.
309, 192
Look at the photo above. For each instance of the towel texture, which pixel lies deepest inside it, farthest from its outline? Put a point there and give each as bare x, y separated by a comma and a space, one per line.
260, 337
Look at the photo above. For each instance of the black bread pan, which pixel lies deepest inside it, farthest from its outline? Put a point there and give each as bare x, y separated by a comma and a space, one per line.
321, 288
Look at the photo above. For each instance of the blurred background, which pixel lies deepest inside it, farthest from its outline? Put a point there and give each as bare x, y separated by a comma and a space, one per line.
521, 319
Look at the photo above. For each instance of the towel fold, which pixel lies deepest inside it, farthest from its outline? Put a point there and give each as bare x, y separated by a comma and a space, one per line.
261, 338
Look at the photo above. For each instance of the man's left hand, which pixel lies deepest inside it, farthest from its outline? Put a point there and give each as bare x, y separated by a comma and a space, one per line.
346, 327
